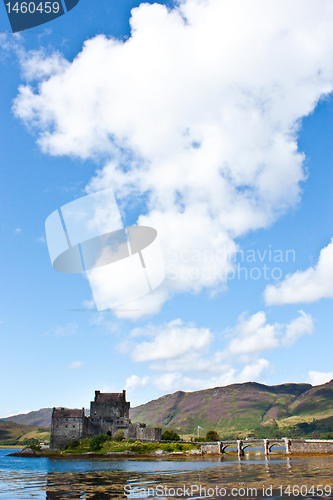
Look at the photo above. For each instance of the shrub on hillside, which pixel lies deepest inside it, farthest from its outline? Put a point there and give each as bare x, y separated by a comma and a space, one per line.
212, 436
328, 435
119, 435
170, 436
73, 444
96, 442
29, 442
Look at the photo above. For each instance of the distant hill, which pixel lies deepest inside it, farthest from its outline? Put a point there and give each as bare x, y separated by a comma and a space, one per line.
12, 433
243, 409
41, 418
237, 409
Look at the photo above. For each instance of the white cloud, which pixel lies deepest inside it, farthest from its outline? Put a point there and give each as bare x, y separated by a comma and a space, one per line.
198, 119
18, 230
319, 378
134, 382
253, 371
38, 65
305, 286
177, 381
10, 43
169, 382
298, 327
170, 341
65, 331
75, 364
253, 335
192, 361
180, 352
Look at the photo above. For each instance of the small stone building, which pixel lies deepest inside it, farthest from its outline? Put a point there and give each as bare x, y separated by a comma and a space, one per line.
109, 412
67, 425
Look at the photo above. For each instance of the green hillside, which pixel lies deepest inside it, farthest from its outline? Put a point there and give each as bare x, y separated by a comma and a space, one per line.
12, 433
243, 409
316, 401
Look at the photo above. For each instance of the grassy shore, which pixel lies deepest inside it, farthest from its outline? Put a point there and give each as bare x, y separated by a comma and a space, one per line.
104, 444
10, 446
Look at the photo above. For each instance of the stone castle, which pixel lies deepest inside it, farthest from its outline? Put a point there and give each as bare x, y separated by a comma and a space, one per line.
109, 412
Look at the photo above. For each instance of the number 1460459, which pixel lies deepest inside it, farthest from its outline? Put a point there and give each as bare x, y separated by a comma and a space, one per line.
32, 7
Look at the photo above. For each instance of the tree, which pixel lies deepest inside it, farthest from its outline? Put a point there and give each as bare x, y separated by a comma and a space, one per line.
119, 435
212, 436
199, 440
170, 436
96, 442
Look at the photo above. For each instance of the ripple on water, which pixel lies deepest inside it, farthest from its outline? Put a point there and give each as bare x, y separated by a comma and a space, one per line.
51, 479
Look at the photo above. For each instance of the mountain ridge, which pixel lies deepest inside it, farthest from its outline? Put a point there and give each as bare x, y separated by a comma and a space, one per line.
239, 409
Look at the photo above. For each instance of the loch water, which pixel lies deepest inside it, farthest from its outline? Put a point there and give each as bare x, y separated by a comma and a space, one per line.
253, 476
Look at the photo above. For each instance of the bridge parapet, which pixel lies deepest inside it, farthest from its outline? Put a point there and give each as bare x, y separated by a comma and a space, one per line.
219, 447
292, 446
309, 446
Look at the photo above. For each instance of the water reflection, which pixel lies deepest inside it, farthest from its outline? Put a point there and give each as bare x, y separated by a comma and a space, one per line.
105, 479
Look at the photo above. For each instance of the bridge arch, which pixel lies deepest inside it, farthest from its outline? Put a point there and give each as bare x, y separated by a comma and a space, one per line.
252, 445
280, 445
229, 445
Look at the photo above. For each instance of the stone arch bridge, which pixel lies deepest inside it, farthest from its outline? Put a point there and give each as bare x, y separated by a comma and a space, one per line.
296, 446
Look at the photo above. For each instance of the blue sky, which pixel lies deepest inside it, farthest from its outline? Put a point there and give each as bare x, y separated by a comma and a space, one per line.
216, 131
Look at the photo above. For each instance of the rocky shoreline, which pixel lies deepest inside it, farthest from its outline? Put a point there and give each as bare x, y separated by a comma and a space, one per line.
29, 453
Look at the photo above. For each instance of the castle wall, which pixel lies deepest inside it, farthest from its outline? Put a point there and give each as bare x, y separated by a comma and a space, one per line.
109, 407
150, 434
98, 425
104, 411
65, 428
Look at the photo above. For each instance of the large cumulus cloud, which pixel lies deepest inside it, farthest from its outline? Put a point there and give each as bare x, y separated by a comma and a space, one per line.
196, 113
